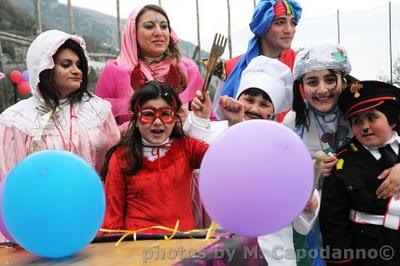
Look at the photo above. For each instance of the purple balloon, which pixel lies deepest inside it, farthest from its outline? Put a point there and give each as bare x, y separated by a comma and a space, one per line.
25, 76
3, 229
256, 178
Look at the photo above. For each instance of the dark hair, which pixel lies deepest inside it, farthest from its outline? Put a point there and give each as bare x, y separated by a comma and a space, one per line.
131, 140
256, 92
47, 86
172, 50
299, 106
391, 109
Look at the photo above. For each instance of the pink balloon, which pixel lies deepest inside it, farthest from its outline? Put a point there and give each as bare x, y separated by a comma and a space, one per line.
16, 76
3, 229
256, 178
2, 75
25, 75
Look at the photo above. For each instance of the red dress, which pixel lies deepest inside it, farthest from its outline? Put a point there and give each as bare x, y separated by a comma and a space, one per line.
158, 194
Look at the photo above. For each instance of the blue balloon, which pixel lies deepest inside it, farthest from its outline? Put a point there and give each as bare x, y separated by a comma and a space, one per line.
53, 203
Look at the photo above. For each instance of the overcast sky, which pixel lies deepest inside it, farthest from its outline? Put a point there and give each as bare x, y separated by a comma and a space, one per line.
318, 25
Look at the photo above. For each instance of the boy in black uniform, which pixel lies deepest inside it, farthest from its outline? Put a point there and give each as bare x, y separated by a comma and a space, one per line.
357, 227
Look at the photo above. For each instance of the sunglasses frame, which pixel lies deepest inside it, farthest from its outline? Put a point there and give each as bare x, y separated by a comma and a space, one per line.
157, 114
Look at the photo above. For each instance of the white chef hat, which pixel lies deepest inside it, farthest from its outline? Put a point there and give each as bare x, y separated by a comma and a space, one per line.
271, 76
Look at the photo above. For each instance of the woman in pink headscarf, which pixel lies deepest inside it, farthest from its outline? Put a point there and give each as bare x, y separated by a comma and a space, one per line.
149, 51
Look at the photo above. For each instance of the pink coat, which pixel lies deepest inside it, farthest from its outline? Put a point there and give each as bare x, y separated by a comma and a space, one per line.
114, 81
114, 86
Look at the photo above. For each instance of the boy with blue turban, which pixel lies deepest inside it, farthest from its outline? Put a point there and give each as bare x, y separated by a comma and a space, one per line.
274, 25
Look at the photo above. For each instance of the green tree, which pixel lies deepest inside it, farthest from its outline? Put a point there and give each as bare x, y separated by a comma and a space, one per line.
396, 72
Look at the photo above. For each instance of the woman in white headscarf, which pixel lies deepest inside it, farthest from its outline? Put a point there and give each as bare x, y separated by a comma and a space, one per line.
61, 114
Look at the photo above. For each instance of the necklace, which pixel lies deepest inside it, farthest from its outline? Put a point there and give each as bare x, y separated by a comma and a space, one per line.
330, 138
67, 146
152, 60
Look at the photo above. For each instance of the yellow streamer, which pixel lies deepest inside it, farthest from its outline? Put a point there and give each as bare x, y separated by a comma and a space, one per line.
122, 238
210, 231
174, 232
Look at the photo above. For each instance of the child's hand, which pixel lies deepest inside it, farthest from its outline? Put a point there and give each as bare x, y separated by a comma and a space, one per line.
311, 205
328, 163
202, 105
232, 109
391, 186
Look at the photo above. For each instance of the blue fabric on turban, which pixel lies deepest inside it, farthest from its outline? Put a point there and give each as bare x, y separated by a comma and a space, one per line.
260, 23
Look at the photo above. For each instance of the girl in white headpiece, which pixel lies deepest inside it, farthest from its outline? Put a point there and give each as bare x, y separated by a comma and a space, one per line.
320, 76
61, 114
320, 73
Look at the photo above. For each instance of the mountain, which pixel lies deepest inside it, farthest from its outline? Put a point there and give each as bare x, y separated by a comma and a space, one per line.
92, 25
15, 20
98, 30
